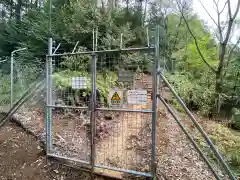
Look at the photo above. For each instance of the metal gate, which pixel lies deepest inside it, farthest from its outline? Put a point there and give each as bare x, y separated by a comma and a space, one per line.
100, 110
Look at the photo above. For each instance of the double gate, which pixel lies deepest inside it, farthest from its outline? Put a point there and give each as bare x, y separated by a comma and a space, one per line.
100, 113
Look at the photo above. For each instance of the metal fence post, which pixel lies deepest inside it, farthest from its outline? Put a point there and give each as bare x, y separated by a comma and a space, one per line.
49, 97
93, 109
157, 58
154, 102
11, 82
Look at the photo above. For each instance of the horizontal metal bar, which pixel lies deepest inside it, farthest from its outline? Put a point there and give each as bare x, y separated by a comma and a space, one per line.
170, 110
106, 51
68, 107
87, 164
125, 171
3, 61
125, 110
104, 109
200, 129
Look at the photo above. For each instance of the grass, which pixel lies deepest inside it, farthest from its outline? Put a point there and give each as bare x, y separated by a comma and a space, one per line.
227, 142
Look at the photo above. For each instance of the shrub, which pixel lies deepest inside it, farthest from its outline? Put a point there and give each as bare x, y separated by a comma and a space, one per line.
105, 81
193, 92
227, 142
235, 121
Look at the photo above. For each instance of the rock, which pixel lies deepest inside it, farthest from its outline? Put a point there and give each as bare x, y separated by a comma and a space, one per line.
108, 116
56, 171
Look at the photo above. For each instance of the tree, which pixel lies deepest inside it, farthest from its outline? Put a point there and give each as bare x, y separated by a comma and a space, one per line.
224, 32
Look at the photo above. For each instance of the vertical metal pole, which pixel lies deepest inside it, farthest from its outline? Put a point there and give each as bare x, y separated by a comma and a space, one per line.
11, 81
49, 97
157, 56
93, 34
93, 108
96, 42
154, 104
121, 40
148, 44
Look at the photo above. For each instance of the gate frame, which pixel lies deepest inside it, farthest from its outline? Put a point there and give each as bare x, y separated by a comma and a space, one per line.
93, 108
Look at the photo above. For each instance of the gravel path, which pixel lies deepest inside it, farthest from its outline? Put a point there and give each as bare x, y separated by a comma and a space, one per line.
119, 149
177, 158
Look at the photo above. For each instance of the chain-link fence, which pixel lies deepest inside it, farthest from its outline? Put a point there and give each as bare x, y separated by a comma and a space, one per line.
5, 85
16, 80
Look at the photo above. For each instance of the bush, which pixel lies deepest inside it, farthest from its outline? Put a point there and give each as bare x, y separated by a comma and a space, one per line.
105, 81
227, 142
235, 121
194, 93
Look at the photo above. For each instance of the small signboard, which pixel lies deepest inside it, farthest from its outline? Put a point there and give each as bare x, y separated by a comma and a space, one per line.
125, 76
79, 82
116, 98
137, 97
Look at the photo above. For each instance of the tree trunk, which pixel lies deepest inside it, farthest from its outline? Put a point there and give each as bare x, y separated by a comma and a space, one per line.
127, 6
218, 90
219, 79
18, 11
11, 9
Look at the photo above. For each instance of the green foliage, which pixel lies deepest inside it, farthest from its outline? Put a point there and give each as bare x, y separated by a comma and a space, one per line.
63, 80
192, 90
75, 20
5, 90
235, 121
23, 77
231, 83
228, 144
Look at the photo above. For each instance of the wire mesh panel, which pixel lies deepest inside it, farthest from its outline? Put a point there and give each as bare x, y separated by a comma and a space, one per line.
100, 109
24, 76
17, 79
123, 118
5, 86
70, 100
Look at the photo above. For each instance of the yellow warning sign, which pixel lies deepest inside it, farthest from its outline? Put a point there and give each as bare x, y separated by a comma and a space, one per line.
116, 97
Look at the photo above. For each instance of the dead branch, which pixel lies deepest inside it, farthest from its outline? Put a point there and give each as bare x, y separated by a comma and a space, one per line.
208, 13
220, 29
222, 8
229, 9
194, 37
231, 20
236, 12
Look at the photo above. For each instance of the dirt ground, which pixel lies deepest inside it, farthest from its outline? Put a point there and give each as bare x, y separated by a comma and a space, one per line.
21, 158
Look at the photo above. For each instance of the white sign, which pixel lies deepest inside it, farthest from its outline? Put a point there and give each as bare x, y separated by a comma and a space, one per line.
137, 97
79, 82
